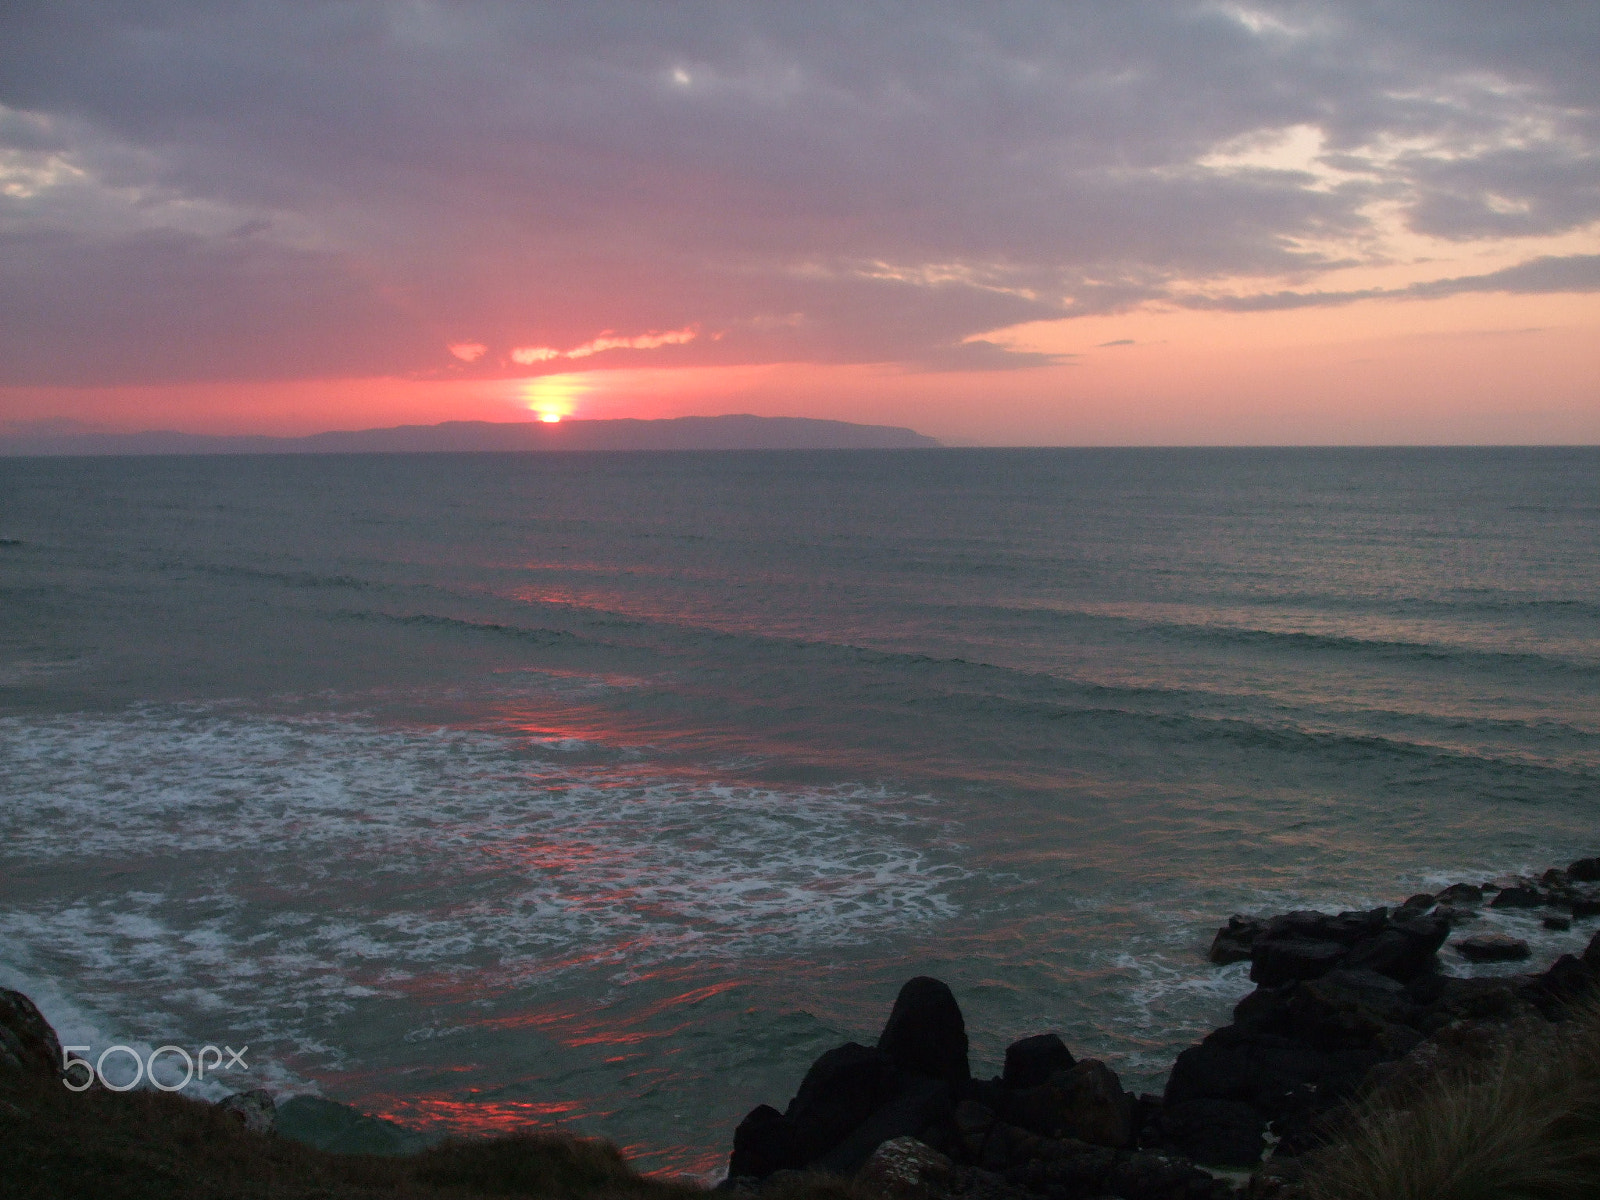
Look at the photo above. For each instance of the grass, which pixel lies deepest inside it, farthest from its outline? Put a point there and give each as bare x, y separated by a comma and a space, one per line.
1520, 1123
106, 1146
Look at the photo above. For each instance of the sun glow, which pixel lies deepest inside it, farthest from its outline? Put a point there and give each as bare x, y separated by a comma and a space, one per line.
553, 397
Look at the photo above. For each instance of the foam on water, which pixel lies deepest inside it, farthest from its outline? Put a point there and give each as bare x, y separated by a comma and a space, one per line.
292, 872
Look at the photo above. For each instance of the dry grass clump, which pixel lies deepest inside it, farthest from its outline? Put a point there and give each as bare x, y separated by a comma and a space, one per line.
1521, 1124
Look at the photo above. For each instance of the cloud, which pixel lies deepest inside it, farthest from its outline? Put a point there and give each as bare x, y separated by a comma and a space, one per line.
1570, 273
468, 351
1118, 342
346, 187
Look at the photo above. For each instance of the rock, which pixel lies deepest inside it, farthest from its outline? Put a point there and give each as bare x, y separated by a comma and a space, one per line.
1461, 894
1031, 1061
1218, 1133
28, 1045
919, 1104
1492, 947
973, 1123
1559, 924
255, 1110
1231, 1063
1235, 939
1517, 897
1402, 951
1149, 1176
906, 1168
1275, 961
840, 1091
327, 1125
1420, 903
1085, 1102
1585, 870
926, 1033
1585, 906
763, 1143
1454, 914
1591, 952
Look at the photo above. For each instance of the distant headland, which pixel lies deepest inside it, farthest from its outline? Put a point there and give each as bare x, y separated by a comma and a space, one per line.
734, 432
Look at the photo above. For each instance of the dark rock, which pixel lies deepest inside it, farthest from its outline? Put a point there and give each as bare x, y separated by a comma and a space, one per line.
1346, 1008
28, 1045
1276, 960
1420, 903
1585, 870
763, 1143
1146, 1119
1454, 914
1591, 952
1151, 1176
1585, 906
1492, 947
1076, 1168
1517, 897
1559, 924
926, 1033
1031, 1061
255, 1110
973, 1123
1402, 951
1461, 894
1219, 1133
1084, 1102
1261, 1069
1568, 978
907, 1169
328, 1125
919, 1104
1235, 939
1555, 877
842, 1088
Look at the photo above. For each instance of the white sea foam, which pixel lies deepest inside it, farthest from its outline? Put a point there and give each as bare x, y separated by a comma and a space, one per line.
283, 867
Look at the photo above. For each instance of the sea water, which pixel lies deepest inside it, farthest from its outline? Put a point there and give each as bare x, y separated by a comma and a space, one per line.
608, 790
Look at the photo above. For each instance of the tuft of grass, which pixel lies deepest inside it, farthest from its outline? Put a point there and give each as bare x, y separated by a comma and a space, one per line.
1523, 1123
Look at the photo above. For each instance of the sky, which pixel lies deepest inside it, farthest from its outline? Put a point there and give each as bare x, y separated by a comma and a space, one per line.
998, 224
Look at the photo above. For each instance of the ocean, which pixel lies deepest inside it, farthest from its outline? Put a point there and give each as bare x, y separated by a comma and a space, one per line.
607, 790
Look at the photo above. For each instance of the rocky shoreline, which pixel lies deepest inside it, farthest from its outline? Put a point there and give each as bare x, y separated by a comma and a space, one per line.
1345, 1005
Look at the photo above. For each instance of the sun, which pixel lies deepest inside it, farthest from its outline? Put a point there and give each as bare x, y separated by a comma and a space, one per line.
552, 397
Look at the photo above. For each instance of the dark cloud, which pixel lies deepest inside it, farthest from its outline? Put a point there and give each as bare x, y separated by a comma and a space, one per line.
245, 190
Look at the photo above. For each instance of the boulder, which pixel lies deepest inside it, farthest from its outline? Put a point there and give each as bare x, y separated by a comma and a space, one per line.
1280, 960
1032, 1060
1402, 951
919, 1104
1218, 1133
840, 1091
1420, 903
926, 1033
1461, 894
1151, 1176
1260, 1069
255, 1110
1492, 947
1585, 906
1585, 870
906, 1169
1086, 1102
1235, 939
28, 1045
1557, 923
763, 1143
1591, 952
1517, 897
1455, 914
